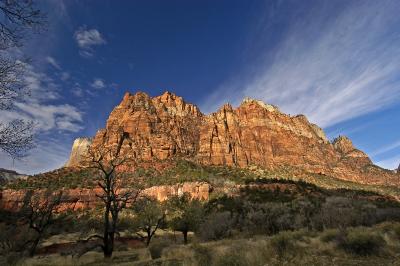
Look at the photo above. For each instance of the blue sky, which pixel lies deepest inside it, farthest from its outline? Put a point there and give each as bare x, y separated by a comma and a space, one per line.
338, 62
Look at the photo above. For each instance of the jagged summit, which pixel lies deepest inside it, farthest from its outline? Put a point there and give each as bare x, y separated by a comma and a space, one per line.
255, 133
269, 107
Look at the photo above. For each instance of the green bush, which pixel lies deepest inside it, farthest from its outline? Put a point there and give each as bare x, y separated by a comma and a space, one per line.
362, 243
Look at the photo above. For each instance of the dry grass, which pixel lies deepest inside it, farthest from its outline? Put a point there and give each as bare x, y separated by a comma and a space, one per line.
287, 248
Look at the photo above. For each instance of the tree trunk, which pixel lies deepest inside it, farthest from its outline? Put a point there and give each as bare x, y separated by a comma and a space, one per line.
148, 238
185, 239
107, 247
35, 243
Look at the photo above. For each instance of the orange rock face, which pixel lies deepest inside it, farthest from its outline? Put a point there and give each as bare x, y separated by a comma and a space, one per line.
75, 199
158, 127
255, 133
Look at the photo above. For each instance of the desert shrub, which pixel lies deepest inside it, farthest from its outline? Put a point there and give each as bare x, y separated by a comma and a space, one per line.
202, 255
387, 214
282, 243
217, 226
396, 230
329, 235
304, 210
362, 242
342, 212
232, 257
156, 248
269, 218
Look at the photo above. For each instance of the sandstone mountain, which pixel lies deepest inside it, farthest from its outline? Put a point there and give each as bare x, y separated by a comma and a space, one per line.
253, 134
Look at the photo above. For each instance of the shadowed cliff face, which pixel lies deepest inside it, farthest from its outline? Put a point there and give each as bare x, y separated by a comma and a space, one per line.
255, 133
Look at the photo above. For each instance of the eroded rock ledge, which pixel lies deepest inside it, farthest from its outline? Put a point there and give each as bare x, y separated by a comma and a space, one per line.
85, 198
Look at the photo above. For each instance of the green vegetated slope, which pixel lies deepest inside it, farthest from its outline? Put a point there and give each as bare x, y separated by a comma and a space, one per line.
180, 171
253, 217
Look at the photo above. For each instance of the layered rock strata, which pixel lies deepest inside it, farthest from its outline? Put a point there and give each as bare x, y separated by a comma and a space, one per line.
254, 133
76, 199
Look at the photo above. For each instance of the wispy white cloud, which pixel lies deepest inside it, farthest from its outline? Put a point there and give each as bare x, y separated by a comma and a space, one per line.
387, 148
53, 62
40, 85
98, 83
87, 39
390, 163
38, 106
331, 68
49, 154
61, 117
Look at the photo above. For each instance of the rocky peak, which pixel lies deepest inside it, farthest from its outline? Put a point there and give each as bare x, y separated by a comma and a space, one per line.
158, 127
175, 105
269, 107
343, 144
139, 101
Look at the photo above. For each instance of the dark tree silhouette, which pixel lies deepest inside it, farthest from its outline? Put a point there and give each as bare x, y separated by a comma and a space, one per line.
18, 18
108, 162
38, 213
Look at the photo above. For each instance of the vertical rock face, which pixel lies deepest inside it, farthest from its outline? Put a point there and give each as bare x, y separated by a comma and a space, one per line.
255, 133
78, 151
158, 127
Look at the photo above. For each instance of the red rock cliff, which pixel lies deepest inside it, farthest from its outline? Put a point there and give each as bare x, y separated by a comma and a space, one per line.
255, 133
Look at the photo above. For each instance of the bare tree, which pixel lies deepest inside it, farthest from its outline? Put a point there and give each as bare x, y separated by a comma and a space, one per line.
16, 137
39, 213
149, 217
108, 162
18, 18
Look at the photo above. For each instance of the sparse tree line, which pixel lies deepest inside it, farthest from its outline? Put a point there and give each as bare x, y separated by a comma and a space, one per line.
144, 218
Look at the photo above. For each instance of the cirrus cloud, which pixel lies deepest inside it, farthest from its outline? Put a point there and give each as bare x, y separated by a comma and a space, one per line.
331, 65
